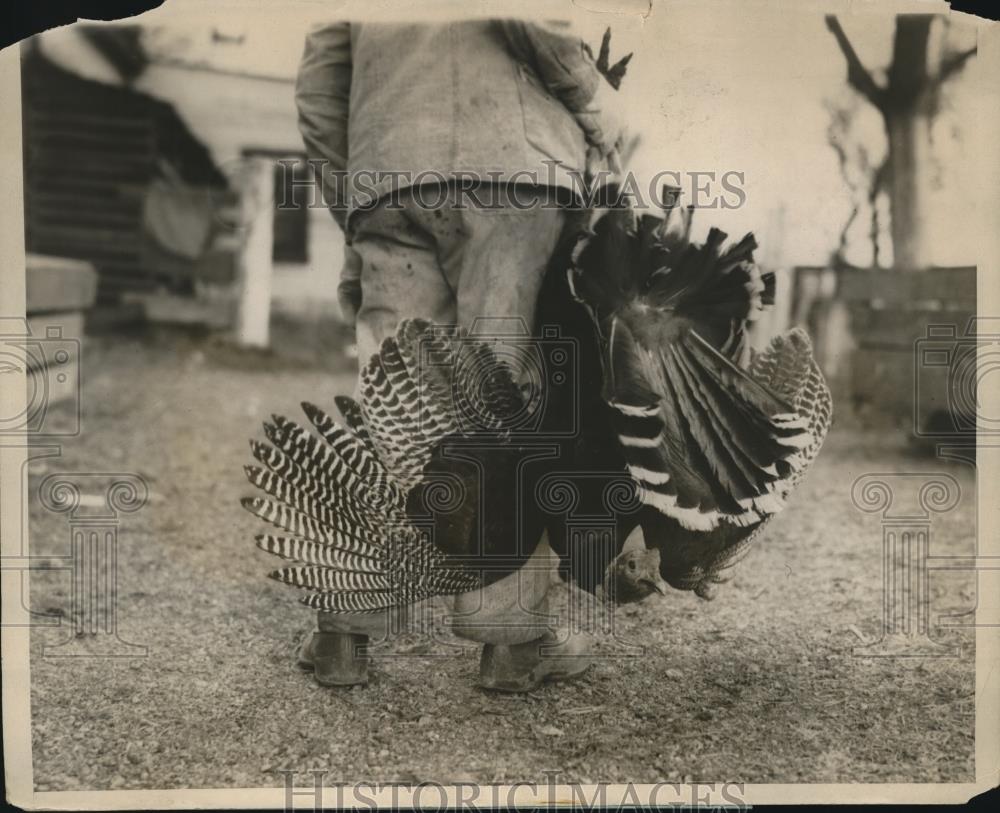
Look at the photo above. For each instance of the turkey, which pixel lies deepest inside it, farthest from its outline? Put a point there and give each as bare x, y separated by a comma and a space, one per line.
420, 492
713, 435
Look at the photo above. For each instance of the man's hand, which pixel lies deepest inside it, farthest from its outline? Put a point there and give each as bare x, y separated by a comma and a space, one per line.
603, 120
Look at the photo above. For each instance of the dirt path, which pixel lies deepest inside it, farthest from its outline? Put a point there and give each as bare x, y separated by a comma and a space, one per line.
759, 685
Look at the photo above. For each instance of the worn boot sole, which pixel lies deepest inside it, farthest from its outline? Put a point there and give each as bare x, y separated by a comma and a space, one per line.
522, 667
532, 680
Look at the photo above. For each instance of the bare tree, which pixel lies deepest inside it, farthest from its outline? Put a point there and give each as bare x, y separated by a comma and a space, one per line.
907, 102
862, 177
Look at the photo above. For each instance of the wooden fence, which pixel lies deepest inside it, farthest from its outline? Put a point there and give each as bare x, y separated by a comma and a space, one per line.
868, 326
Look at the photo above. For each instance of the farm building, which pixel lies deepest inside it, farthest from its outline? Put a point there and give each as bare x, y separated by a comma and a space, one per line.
139, 165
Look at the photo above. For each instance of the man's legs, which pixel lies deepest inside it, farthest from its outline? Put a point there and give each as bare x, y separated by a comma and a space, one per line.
400, 279
496, 259
448, 265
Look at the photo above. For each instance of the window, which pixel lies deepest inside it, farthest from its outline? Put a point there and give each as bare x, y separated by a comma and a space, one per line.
292, 181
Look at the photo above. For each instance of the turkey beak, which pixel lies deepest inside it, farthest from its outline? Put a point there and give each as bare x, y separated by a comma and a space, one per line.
658, 585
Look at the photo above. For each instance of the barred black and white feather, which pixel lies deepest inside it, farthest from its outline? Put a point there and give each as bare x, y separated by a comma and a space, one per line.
343, 492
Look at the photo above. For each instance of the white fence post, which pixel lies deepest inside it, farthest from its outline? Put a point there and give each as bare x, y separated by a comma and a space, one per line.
256, 266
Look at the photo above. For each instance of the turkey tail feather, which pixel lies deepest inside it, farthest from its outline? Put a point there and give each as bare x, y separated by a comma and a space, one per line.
315, 553
343, 495
351, 410
787, 367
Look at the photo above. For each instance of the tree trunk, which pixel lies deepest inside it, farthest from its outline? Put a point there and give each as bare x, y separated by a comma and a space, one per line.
908, 132
906, 111
907, 103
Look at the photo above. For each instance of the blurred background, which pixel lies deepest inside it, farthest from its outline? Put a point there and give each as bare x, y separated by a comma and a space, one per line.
157, 154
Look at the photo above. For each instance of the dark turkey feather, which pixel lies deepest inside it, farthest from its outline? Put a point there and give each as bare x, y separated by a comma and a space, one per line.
693, 560
703, 439
714, 436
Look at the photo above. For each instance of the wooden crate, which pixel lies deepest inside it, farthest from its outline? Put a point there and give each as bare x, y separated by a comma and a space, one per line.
869, 326
58, 292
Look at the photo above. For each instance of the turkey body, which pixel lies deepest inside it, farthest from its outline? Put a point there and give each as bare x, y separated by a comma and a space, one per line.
712, 436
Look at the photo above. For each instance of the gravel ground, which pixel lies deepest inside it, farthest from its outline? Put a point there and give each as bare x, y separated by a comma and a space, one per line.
758, 686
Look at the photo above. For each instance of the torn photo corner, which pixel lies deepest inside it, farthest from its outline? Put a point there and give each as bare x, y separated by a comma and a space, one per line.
576, 404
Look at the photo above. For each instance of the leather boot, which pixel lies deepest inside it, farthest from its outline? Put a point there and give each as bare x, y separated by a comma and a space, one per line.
524, 667
335, 658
